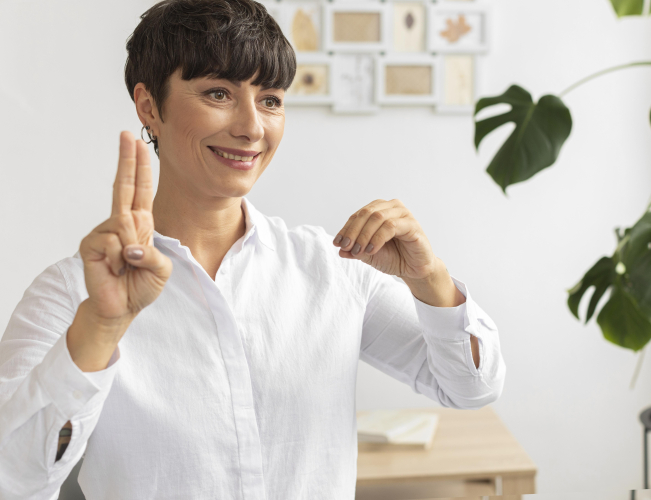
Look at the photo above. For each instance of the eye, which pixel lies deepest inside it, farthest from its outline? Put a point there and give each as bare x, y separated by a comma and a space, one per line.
271, 102
219, 94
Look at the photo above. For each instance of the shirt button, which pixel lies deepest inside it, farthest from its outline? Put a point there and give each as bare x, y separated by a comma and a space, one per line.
76, 394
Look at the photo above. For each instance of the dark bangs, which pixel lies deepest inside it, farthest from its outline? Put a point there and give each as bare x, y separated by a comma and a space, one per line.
230, 39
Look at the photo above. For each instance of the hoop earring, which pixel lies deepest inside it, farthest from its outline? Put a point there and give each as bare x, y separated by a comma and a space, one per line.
148, 135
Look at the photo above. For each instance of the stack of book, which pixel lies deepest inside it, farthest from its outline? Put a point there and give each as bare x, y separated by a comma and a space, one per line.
396, 429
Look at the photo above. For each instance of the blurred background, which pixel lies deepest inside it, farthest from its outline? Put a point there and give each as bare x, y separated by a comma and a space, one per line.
567, 398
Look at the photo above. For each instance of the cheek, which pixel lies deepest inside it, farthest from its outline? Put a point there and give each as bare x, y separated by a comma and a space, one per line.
274, 130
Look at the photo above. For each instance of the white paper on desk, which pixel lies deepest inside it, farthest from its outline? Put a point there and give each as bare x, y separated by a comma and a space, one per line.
388, 426
422, 434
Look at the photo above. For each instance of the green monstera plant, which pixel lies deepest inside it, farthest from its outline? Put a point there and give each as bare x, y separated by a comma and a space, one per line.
541, 129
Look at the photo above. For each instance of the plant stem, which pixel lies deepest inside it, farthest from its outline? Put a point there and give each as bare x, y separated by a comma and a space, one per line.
603, 72
638, 365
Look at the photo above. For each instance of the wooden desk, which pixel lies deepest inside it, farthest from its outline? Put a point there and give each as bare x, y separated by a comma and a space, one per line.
473, 454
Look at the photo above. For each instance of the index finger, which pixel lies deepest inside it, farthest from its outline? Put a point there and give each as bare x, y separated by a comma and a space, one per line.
143, 198
124, 186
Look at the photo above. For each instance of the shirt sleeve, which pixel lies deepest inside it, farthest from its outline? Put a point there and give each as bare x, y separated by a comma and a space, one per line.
41, 388
428, 347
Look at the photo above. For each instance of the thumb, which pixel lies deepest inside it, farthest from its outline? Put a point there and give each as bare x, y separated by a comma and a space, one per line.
148, 257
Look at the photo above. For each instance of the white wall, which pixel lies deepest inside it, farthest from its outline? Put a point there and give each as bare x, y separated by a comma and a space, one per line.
567, 396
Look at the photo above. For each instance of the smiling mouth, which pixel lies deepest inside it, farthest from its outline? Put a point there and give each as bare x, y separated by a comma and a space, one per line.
229, 156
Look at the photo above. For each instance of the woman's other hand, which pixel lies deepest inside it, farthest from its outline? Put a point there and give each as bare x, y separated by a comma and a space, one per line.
124, 271
385, 235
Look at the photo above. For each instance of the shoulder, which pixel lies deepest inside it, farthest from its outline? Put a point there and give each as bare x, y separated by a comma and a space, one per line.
49, 303
310, 247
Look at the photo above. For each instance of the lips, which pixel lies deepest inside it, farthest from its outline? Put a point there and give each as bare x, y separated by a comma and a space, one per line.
246, 160
235, 154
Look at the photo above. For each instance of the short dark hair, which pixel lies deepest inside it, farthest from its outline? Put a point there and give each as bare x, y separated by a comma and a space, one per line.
230, 39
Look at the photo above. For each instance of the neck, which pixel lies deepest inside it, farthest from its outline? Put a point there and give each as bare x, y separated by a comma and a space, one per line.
207, 226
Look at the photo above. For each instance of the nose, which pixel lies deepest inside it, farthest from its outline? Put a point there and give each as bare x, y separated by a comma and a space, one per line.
246, 122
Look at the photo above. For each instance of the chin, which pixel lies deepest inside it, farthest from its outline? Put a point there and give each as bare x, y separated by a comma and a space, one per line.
232, 189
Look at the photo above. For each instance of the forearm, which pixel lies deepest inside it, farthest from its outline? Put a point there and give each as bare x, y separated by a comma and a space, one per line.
439, 290
34, 407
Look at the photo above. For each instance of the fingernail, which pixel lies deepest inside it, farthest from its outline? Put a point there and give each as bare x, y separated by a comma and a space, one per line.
345, 243
338, 239
369, 248
356, 249
135, 253
122, 270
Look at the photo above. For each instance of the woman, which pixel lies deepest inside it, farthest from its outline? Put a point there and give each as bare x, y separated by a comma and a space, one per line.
236, 378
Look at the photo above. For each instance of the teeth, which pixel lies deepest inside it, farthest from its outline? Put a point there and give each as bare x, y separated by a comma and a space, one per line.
233, 157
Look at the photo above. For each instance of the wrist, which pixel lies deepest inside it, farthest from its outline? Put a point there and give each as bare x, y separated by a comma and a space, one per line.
437, 288
92, 339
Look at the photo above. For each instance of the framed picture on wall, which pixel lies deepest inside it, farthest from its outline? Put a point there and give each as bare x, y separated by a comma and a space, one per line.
409, 23
458, 27
313, 81
353, 83
301, 23
407, 80
457, 81
356, 27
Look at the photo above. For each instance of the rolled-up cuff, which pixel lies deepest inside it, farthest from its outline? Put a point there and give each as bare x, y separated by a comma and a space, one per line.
69, 388
450, 323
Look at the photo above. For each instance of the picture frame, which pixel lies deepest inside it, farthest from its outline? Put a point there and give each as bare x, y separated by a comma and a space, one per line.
409, 22
302, 24
356, 27
458, 27
313, 83
408, 80
458, 83
353, 83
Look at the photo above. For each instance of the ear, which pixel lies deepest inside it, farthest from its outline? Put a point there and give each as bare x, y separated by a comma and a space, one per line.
146, 108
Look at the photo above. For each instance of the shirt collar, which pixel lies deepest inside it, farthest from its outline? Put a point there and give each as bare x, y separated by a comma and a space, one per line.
255, 222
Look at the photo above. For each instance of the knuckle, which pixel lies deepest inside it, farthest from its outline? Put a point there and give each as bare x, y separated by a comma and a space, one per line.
363, 237
377, 216
390, 224
113, 240
364, 212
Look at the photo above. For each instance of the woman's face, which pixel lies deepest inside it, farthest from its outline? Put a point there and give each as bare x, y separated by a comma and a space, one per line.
218, 136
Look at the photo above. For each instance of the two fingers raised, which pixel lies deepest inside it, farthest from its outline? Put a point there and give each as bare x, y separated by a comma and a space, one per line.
130, 226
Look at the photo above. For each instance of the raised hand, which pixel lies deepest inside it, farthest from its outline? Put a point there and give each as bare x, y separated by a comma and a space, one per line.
124, 271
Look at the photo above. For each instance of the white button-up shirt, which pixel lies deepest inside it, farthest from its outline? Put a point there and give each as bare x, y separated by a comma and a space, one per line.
242, 387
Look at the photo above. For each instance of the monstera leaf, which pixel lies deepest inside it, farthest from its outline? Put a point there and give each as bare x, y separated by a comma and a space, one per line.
601, 276
625, 319
622, 322
628, 7
540, 131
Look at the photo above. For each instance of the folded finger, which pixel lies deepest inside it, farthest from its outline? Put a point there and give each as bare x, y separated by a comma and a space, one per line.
360, 234
103, 246
356, 221
123, 225
389, 229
